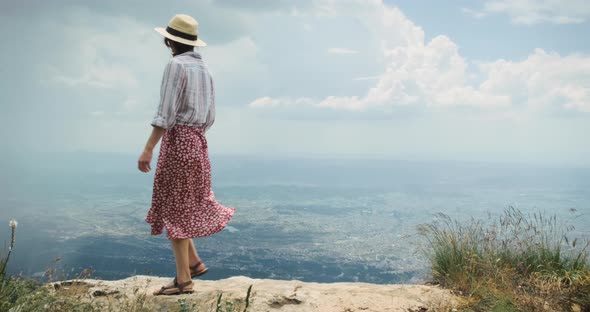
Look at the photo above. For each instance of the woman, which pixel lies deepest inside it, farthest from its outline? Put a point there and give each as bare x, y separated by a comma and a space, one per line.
182, 199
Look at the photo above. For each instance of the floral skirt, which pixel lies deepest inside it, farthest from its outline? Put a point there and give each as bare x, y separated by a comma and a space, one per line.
182, 199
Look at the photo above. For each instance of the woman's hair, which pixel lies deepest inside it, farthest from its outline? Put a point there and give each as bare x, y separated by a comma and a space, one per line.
178, 47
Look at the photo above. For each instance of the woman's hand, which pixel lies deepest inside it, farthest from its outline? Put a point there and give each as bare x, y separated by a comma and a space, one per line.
146, 157
144, 161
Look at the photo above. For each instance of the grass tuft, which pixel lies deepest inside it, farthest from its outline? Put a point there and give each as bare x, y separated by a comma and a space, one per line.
517, 262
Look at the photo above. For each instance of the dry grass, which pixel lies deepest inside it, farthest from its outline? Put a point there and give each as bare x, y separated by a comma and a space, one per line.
72, 293
515, 263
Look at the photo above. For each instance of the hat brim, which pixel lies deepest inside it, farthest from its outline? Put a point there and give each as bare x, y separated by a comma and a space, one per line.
195, 43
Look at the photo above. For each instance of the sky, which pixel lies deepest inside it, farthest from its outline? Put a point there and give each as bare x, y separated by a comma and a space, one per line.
484, 81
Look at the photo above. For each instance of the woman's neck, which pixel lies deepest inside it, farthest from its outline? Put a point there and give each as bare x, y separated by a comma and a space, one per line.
175, 53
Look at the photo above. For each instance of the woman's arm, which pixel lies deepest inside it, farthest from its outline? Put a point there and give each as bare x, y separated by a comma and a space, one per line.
146, 157
211, 114
165, 118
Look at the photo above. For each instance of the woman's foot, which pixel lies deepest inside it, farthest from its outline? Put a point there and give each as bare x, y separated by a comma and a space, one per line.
198, 269
175, 288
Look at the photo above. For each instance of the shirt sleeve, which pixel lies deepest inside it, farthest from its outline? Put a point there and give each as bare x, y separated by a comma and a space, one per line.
170, 95
211, 113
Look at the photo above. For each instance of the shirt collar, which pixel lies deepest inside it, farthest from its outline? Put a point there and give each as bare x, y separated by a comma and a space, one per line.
194, 54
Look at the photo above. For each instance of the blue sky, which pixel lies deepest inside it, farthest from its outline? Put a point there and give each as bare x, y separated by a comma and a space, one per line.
498, 80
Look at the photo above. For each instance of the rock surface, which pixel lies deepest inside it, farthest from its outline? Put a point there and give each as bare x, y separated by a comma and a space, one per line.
266, 295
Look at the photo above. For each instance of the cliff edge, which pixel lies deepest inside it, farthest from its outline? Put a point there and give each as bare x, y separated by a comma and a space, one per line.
134, 294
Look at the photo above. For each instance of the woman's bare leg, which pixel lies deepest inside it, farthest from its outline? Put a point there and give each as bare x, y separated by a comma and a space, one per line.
183, 274
193, 256
181, 248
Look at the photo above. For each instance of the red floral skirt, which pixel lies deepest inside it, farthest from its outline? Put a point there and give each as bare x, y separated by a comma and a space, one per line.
182, 199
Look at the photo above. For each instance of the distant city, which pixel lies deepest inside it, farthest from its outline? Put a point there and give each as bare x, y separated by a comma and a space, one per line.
312, 220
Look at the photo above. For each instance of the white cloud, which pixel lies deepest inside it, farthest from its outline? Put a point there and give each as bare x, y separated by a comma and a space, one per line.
265, 102
367, 78
300, 85
127, 57
103, 59
530, 12
235, 61
473, 13
286, 101
416, 72
341, 51
434, 75
542, 80
237, 70
98, 77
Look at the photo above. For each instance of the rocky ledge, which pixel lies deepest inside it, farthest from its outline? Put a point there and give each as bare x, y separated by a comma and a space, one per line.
134, 294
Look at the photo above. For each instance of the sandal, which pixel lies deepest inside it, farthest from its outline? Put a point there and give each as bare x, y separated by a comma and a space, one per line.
195, 273
176, 289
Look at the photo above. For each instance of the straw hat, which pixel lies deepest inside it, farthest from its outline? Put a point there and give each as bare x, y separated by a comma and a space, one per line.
184, 29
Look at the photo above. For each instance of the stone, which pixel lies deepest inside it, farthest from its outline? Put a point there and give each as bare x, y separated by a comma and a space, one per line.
266, 295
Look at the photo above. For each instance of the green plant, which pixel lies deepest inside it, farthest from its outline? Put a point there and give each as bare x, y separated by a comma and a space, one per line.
218, 306
527, 258
184, 307
4, 259
139, 303
10, 288
248, 298
230, 305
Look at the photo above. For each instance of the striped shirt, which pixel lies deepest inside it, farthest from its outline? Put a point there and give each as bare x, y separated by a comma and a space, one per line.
187, 96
